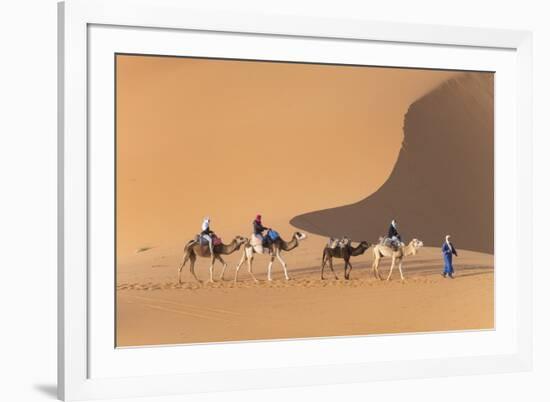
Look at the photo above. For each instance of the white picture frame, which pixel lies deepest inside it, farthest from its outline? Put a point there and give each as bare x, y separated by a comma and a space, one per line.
78, 335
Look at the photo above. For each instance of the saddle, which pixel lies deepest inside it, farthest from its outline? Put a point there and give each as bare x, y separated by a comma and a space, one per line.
203, 242
335, 242
394, 244
272, 234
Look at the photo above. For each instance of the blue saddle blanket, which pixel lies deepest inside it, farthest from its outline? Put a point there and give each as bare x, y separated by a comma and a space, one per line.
273, 235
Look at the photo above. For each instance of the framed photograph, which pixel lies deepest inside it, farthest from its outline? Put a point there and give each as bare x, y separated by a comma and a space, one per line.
254, 201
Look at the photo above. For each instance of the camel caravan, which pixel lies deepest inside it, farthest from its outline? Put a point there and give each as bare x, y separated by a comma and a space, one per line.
209, 246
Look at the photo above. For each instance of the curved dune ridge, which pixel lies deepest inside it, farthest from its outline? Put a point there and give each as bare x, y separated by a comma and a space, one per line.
442, 182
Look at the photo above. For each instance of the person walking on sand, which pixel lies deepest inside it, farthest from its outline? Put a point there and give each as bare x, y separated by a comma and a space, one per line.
448, 250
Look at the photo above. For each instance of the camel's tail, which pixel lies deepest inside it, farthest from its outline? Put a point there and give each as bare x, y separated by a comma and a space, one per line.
186, 252
188, 244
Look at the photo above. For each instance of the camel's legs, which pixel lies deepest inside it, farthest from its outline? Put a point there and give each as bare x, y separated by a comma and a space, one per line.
283, 263
391, 268
323, 263
239, 265
270, 265
401, 270
350, 268
220, 259
212, 260
375, 264
249, 260
332, 268
185, 258
192, 259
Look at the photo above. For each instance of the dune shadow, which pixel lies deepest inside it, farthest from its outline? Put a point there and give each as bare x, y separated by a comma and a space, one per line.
442, 182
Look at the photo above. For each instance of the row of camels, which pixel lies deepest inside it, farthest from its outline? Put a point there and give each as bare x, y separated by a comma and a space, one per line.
252, 247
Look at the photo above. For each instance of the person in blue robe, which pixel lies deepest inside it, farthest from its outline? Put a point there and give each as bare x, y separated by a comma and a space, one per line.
448, 250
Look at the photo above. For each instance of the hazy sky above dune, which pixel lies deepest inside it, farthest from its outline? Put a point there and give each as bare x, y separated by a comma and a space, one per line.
230, 139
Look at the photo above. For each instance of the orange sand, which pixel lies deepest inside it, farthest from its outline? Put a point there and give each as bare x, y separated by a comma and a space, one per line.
154, 309
231, 139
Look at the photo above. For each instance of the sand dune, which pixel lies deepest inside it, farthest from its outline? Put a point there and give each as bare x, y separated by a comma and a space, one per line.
442, 181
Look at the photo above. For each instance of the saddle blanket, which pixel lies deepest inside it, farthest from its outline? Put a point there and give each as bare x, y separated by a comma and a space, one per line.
256, 242
393, 243
202, 241
335, 242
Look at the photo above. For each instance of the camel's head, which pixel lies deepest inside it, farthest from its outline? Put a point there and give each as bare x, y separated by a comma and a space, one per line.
240, 240
300, 235
416, 245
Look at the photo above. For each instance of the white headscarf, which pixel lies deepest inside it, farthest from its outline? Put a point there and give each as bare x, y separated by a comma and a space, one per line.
394, 223
206, 223
448, 242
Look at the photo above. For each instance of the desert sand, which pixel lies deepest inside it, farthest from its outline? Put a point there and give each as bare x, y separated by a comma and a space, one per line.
154, 309
231, 139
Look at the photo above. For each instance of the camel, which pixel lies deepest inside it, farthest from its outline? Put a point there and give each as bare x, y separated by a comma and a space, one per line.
254, 246
193, 250
396, 254
344, 252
